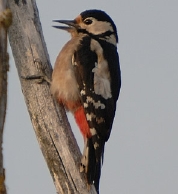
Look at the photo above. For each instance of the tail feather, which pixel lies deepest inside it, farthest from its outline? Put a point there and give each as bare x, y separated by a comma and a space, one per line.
90, 165
97, 176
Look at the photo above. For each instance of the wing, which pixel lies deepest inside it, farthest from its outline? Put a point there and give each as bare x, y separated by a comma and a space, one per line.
98, 77
98, 100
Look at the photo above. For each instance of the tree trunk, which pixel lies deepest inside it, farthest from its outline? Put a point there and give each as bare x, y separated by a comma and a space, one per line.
5, 21
49, 120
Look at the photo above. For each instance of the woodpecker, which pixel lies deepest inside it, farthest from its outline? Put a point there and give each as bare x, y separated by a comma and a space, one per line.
86, 79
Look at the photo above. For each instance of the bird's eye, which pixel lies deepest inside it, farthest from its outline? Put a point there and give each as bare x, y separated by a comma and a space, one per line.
88, 21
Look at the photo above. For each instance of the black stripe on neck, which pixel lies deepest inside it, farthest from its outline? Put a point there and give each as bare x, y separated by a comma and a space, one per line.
98, 36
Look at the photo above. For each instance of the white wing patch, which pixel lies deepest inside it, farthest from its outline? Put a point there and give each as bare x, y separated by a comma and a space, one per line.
83, 92
95, 104
96, 145
90, 116
93, 131
101, 72
100, 120
101, 84
85, 105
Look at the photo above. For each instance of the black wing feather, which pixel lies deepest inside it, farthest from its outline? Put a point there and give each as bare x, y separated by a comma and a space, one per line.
85, 60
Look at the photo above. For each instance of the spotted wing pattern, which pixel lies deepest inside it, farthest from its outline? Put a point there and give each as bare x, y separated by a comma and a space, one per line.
99, 92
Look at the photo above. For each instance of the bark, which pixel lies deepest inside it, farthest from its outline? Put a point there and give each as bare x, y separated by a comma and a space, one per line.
49, 120
5, 21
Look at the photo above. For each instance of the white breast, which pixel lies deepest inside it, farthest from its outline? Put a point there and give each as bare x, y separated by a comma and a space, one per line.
64, 85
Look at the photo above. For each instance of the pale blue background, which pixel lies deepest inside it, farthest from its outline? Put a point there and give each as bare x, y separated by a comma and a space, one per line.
141, 156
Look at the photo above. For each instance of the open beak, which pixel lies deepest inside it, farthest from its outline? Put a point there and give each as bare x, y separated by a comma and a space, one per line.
71, 24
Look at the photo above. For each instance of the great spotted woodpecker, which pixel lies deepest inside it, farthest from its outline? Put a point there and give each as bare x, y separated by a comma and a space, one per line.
86, 80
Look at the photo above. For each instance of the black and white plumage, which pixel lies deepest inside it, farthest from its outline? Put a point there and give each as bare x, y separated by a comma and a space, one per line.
87, 80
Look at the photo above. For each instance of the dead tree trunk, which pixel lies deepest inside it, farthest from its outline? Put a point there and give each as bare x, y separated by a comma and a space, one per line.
49, 120
5, 21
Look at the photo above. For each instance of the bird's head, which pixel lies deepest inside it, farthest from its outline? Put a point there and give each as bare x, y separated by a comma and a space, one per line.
95, 23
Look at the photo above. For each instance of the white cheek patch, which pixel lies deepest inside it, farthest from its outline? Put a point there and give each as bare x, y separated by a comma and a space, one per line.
100, 27
101, 72
97, 27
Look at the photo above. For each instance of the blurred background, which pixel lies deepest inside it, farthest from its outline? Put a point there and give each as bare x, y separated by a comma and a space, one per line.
141, 156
